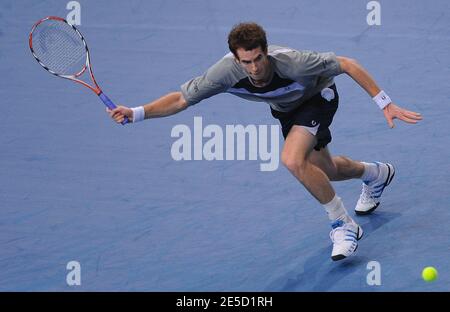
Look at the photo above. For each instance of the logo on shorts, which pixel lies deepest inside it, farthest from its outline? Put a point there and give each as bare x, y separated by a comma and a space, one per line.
327, 94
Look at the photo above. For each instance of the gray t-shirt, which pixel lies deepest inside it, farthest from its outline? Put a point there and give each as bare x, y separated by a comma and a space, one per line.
297, 76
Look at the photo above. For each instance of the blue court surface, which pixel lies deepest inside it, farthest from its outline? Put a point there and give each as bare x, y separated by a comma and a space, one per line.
75, 186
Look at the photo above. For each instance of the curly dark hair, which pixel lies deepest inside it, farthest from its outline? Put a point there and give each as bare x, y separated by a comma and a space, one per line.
247, 36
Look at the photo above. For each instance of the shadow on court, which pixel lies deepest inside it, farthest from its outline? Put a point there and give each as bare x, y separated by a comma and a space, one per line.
319, 273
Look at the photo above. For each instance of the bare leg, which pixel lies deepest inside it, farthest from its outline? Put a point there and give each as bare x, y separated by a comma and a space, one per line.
295, 156
337, 168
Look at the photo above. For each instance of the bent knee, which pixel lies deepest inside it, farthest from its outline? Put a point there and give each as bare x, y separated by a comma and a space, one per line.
295, 165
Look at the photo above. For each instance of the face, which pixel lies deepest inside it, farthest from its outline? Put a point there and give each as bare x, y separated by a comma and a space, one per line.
255, 62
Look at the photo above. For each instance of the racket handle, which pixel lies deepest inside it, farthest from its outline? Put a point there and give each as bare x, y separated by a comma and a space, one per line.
110, 105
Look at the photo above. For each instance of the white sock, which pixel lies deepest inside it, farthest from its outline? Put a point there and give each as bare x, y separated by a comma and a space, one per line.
336, 210
371, 172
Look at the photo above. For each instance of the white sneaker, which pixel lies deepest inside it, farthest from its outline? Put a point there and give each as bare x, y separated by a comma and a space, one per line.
371, 191
345, 238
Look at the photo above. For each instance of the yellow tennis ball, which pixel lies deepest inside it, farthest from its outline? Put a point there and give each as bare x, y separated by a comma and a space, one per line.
429, 274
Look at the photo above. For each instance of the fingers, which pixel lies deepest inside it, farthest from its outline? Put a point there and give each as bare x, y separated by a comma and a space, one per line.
118, 117
389, 117
113, 111
412, 115
407, 119
116, 114
408, 114
402, 114
390, 121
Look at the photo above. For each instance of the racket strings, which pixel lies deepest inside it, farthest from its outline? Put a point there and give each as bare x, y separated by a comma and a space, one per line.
59, 47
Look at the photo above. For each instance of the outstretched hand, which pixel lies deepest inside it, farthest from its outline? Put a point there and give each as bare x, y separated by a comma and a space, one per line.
119, 113
393, 111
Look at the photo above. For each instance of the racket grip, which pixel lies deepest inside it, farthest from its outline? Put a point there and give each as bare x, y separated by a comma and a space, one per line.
110, 105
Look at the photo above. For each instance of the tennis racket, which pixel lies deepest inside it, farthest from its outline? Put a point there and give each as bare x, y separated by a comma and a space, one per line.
61, 49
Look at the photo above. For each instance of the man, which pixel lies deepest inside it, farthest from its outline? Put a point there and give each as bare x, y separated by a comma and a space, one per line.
299, 87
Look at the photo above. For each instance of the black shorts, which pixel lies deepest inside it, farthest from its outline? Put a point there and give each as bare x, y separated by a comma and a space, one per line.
316, 110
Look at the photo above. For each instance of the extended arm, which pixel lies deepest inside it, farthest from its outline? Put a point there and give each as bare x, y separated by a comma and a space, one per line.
167, 105
363, 78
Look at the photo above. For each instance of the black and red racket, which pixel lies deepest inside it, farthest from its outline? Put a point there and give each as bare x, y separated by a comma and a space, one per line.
61, 49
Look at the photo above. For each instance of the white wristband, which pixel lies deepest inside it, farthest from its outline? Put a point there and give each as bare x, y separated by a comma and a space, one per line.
382, 99
138, 113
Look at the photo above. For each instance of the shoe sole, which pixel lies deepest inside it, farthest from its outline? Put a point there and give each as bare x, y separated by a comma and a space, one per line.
340, 257
386, 183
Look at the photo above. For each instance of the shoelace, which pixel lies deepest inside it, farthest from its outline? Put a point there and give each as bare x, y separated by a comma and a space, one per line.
338, 234
366, 195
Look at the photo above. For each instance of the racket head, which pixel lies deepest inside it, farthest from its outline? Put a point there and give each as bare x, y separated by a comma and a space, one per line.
59, 47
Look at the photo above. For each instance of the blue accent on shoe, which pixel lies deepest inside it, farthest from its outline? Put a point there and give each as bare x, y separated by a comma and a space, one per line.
336, 224
377, 194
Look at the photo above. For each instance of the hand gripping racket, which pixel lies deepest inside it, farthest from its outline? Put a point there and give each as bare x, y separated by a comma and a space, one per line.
61, 49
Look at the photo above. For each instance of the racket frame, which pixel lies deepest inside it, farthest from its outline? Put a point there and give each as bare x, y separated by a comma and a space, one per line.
87, 64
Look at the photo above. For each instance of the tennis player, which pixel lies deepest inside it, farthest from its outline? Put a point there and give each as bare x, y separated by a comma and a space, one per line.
300, 89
